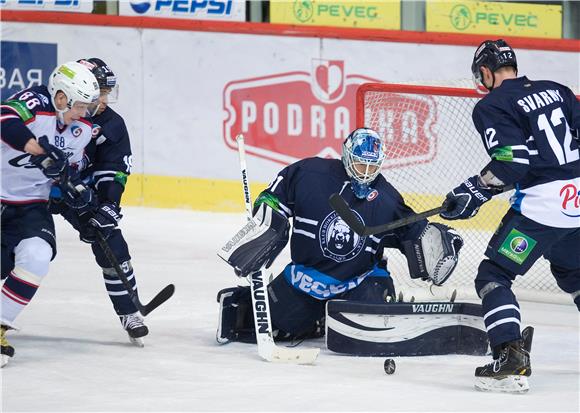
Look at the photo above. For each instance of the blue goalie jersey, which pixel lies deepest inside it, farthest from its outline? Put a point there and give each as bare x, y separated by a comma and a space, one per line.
328, 258
530, 131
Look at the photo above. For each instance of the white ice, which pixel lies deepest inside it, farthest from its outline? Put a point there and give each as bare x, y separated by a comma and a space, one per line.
72, 355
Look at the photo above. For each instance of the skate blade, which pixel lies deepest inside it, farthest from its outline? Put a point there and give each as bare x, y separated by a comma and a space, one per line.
508, 384
4, 360
137, 341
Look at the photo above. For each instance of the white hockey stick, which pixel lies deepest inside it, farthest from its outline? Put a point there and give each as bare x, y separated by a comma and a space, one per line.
267, 349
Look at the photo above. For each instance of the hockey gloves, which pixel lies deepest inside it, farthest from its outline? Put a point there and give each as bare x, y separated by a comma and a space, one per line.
106, 218
464, 201
435, 254
77, 195
52, 162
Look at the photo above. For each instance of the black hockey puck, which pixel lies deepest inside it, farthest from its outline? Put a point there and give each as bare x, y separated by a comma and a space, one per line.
390, 366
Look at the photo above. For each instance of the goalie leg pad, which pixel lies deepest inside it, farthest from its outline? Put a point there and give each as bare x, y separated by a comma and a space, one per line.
295, 315
405, 329
235, 321
258, 242
435, 254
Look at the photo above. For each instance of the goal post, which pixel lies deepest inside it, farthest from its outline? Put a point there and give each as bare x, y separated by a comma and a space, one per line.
431, 146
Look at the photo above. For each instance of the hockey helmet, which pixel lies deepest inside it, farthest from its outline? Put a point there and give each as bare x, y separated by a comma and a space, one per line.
492, 54
363, 157
77, 83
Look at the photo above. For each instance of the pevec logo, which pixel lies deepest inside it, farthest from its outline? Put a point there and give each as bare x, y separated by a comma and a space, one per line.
303, 10
293, 115
460, 17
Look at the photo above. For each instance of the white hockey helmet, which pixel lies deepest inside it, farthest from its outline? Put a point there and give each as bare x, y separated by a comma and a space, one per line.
76, 81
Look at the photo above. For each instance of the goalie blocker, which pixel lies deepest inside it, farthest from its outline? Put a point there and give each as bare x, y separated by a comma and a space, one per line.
405, 329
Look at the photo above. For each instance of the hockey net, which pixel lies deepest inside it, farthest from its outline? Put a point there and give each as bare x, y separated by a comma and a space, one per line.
432, 146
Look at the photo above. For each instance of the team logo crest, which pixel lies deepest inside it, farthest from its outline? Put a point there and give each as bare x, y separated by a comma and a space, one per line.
76, 131
337, 240
96, 130
372, 195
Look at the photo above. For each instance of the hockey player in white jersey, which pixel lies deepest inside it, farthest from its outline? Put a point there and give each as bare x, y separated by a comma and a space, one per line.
43, 135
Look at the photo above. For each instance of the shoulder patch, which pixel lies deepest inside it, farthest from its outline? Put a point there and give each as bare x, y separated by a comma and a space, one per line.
20, 108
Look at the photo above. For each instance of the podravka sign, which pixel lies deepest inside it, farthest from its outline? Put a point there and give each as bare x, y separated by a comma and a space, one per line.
289, 116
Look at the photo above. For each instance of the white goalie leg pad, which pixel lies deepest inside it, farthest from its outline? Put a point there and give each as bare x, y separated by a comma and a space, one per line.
435, 254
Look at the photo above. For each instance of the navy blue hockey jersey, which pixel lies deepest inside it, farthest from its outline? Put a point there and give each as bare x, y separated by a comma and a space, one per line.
530, 130
328, 258
108, 155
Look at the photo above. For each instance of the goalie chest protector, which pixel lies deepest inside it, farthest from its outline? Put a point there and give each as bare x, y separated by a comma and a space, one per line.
405, 329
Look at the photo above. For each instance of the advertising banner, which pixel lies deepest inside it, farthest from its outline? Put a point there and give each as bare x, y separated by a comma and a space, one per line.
293, 115
232, 10
25, 64
185, 95
361, 14
72, 6
502, 19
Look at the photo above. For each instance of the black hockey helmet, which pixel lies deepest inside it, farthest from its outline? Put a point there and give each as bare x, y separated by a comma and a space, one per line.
105, 76
493, 54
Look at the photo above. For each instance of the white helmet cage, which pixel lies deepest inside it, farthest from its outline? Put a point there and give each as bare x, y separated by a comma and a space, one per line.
363, 146
76, 81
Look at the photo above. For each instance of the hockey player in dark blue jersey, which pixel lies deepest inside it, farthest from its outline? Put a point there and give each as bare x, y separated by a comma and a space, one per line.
329, 260
530, 131
108, 164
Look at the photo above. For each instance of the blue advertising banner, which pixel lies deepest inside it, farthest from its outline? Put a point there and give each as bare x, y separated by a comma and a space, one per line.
73, 6
25, 64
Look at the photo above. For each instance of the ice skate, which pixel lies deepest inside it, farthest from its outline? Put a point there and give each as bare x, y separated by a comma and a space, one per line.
7, 349
509, 372
135, 328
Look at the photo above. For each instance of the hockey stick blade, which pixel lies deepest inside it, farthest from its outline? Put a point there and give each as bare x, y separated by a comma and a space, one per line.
159, 299
294, 355
343, 210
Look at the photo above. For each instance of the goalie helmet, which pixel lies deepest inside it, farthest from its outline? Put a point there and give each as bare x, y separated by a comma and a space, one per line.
493, 54
77, 83
362, 156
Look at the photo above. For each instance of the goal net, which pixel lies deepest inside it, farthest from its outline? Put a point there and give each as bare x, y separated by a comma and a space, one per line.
432, 146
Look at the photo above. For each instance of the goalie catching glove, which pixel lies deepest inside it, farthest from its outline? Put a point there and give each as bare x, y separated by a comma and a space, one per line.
435, 254
258, 243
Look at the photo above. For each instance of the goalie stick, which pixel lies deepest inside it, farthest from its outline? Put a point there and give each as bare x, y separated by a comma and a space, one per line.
343, 210
267, 349
144, 309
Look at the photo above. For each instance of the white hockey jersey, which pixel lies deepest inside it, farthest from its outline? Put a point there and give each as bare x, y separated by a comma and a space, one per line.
23, 182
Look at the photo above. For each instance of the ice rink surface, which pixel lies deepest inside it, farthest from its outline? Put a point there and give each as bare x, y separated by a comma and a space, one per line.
72, 355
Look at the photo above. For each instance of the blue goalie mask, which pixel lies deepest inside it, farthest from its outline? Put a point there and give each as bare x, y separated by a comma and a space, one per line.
362, 156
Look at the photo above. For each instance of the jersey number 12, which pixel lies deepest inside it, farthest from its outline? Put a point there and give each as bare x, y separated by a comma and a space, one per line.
564, 152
